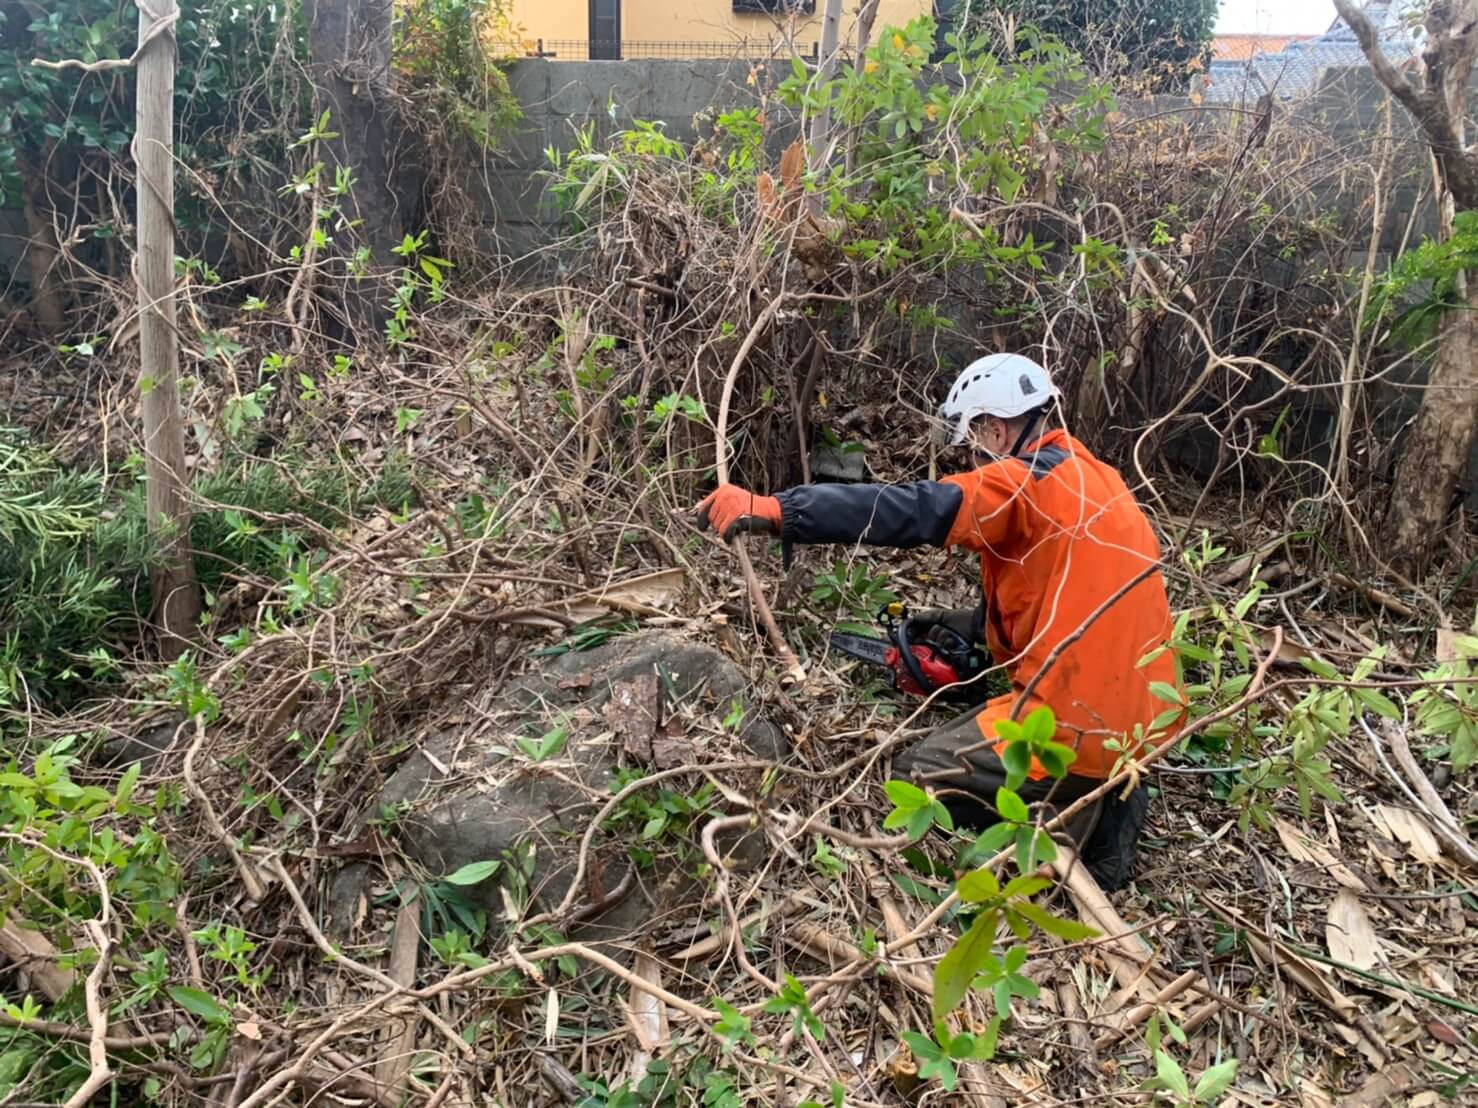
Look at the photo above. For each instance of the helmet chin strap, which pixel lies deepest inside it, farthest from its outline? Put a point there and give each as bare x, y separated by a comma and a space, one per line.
1026, 430
978, 453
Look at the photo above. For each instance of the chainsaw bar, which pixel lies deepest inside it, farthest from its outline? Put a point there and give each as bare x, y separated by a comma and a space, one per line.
866, 648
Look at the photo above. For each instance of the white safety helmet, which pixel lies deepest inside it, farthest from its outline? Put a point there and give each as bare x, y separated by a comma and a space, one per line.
1002, 385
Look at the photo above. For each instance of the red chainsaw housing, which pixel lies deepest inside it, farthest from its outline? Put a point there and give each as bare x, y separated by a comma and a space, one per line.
938, 671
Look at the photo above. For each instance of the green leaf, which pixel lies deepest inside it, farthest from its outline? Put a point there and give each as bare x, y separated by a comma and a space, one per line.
978, 886
985, 1042
957, 969
1151, 656
905, 795
1378, 703
1052, 761
921, 1045
473, 873
1040, 726
1026, 842
1217, 1080
733, 1027
199, 1003
941, 815
1166, 692
1169, 1075
1068, 929
919, 822
1009, 730
1026, 886
915, 889
1017, 758
1045, 849
992, 839
1163, 720
126, 784
1318, 667
1011, 806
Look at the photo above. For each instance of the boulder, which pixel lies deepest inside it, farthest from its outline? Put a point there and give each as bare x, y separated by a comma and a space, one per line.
522, 788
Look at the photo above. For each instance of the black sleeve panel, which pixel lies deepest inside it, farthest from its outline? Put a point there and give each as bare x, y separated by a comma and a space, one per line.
916, 514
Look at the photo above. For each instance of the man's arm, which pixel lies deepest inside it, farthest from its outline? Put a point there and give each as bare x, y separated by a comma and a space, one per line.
920, 513
973, 510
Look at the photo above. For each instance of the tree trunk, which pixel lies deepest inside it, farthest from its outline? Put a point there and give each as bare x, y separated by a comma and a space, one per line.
831, 36
867, 13
41, 257
176, 596
1446, 426
350, 42
1437, 446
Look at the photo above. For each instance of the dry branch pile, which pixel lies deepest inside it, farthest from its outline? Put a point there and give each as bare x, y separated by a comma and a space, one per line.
556, 439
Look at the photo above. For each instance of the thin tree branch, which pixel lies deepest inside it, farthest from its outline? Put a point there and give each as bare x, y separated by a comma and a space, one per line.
1427, 107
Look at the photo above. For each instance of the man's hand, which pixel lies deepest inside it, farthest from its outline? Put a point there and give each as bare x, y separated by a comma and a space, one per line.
968, 623
730, 509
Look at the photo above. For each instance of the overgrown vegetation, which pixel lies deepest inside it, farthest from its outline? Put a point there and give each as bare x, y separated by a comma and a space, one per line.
387, 531
1142, 43
75, 561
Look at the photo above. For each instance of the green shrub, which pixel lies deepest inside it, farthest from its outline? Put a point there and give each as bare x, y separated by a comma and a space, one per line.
75, 553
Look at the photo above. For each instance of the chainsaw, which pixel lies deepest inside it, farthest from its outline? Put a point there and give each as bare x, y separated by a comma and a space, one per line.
920, 667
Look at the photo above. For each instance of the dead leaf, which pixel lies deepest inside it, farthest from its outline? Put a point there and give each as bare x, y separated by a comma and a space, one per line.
579, 681
1441, 1032
24, 945
646, 1015
1310, 976
669, 752
766, 194
1314, 853
1289, 652
792, 165
1446, 643
1435, 979
1311, 1095
1385, 1087
250, 1030
1349, 933
1412, 830
646, 595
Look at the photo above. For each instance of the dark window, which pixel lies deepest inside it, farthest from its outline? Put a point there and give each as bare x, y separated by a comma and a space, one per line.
605, 30
805, 7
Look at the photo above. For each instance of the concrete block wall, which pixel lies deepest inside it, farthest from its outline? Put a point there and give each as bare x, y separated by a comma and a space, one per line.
558, 98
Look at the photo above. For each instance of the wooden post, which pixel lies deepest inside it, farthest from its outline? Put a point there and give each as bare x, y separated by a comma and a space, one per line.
176, 596
831, 35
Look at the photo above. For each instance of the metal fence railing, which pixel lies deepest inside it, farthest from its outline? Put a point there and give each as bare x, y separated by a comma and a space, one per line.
596, 50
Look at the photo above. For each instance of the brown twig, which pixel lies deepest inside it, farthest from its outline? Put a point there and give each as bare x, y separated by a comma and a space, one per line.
792, 670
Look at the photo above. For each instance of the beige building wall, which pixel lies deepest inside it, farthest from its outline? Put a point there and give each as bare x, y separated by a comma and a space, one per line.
708, 22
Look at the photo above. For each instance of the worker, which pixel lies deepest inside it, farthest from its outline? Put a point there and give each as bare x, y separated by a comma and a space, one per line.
1074, 606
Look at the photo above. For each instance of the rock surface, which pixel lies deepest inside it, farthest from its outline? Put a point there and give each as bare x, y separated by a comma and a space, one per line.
648, 701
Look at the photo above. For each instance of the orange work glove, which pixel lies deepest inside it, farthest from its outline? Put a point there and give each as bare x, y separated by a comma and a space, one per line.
729, 509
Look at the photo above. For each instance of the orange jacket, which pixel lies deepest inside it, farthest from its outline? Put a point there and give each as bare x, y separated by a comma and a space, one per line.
1058, 534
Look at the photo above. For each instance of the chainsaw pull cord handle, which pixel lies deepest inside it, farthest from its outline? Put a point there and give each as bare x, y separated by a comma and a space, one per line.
905, 651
